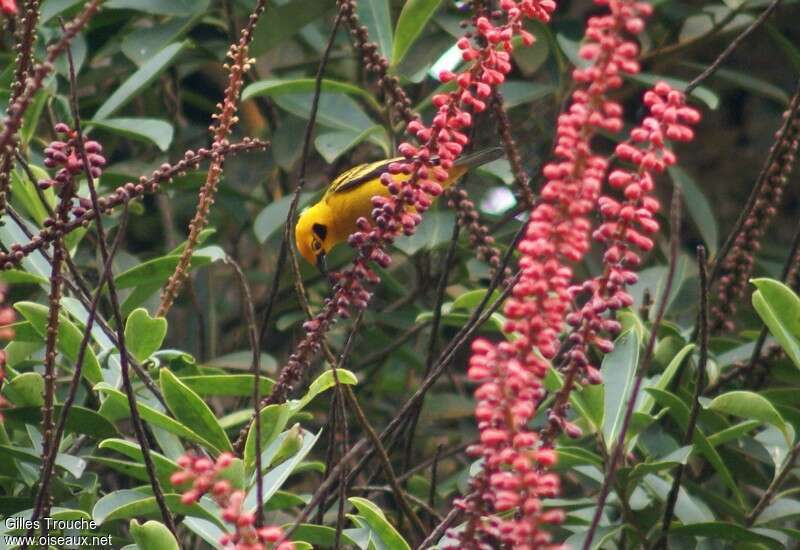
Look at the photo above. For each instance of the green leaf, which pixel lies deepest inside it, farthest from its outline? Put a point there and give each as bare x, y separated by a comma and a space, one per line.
779, 308
647, 402
282, 22
721, 530
277, 476
152, 535
25, 192
115, 407
153, 130
273, 421
676, 457
17, 277
336, 110
332, 145
413, 18
127, 503
745, 404
276, 87
163, 465
229, 385
320, 536
619, 370
69, 338
159, 7
144, 334
190, 409
376, 15
273, 217
698, 207
324, 382
435, 230
471, 299
25, 390
378, 524
680, 413
79, 420
140, 79
158, 270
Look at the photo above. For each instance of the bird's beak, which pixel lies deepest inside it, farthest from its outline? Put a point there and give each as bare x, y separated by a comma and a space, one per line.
322, 264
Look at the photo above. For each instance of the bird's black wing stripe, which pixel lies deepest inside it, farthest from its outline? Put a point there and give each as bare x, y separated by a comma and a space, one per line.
359, 175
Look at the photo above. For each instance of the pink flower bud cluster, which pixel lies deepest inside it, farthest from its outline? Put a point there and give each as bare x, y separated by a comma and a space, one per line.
426, 165
7, 317
628, 222
425, 169
205, 476
558, 233
66, 156
8, 7
513, 460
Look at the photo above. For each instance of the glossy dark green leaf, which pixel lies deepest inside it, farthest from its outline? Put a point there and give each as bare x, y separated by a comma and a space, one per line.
435, 230
779, 308
163, 465
159, 7
69, 338
151, 130
276, 87
273, 216
698, 207
158, 270
618, 369
750, 405
376, 15
190, 409
378, 524
232, 385
115, 408
25, 390
79, 420
127, 503
720, 530
152, 535
139, 80
284, 21
412, 21
144, 334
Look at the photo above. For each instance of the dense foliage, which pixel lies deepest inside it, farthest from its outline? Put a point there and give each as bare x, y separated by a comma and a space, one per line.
592, 342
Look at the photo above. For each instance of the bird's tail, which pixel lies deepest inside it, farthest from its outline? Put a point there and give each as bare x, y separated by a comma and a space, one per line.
481, 157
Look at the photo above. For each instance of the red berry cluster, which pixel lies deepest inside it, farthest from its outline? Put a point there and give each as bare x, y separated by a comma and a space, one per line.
628, 221
66, 156
558, 234
206, 476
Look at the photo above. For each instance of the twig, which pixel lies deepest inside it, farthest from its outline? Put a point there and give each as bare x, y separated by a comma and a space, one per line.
688, 437
711, 69
437, 317
107, 258
287, 237
255, 345
385, 462
619, 446
12, 122
776, 484
126, 193
225, 120
440, 529
49, 460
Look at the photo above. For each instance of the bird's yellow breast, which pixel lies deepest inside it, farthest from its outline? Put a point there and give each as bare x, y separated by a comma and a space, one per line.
347, 206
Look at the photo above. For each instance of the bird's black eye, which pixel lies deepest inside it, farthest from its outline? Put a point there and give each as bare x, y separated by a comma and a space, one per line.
320, 231
315, 244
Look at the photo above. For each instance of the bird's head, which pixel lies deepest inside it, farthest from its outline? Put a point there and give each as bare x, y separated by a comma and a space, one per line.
313, 235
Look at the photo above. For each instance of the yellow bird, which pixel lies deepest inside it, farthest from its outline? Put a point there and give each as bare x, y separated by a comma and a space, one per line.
349, 197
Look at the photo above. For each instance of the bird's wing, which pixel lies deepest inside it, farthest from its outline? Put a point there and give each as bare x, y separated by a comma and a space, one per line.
358, 175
